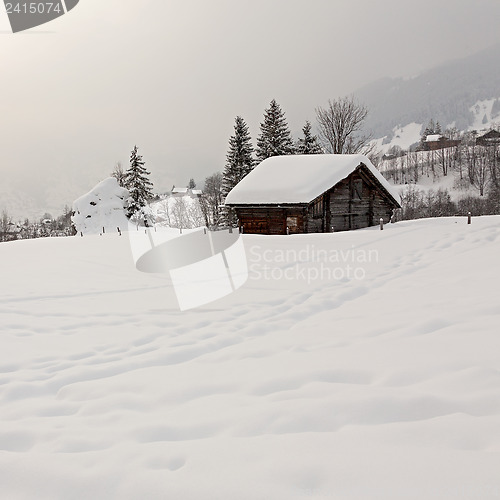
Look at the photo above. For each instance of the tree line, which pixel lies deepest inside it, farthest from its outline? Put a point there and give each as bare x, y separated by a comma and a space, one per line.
45, 226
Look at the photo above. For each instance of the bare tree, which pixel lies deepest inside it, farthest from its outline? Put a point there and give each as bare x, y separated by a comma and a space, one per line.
180, 213
339, 125
477, 167
119, 174
212, 200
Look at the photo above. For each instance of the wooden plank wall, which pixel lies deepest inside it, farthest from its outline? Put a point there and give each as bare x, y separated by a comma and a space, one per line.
270, 220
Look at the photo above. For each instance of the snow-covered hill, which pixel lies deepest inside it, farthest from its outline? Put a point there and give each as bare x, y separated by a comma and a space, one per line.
355, 365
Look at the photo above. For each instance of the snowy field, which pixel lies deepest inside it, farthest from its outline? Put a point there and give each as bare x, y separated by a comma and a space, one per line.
369, 369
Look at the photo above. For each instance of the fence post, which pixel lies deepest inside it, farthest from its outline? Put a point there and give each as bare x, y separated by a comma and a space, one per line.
469, 218
381, 224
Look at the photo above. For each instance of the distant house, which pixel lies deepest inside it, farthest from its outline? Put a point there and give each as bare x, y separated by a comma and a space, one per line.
193, 193
437, 141
491, 138
312, 194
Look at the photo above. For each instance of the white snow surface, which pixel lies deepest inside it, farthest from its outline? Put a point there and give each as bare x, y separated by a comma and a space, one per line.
403, 137
296, 386
102, 207
299, 178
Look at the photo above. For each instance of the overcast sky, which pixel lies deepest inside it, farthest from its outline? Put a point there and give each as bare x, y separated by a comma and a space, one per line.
170, 76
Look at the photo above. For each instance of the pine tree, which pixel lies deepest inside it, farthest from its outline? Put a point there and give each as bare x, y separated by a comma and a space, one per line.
308, 145
275, 138
191, 184
239, 158
137, 182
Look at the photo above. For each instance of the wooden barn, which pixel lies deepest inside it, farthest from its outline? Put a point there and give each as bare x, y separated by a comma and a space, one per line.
491, 138
436, 142
312, 194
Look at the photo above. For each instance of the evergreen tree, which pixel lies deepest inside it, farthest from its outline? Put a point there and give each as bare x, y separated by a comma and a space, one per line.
239, 158
138, 184
191, 184
275, 138
429, 130
308, 145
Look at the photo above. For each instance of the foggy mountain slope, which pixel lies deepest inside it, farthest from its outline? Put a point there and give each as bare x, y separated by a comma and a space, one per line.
445, 94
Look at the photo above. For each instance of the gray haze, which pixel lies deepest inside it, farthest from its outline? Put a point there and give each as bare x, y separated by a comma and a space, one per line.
170, 76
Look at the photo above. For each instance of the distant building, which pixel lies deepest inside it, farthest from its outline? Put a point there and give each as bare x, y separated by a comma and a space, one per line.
491, 138
192, 193
435, 142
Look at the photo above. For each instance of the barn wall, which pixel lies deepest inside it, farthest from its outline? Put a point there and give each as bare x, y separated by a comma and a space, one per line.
316, 222
271, 220
356, 202
381, 210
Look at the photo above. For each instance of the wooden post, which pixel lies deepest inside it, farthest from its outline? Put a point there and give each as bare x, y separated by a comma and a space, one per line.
381, 224
204, 230
469, 218
119, 231
103, 230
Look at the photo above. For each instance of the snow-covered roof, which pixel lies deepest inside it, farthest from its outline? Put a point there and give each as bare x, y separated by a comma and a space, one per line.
433, 138
299, 179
